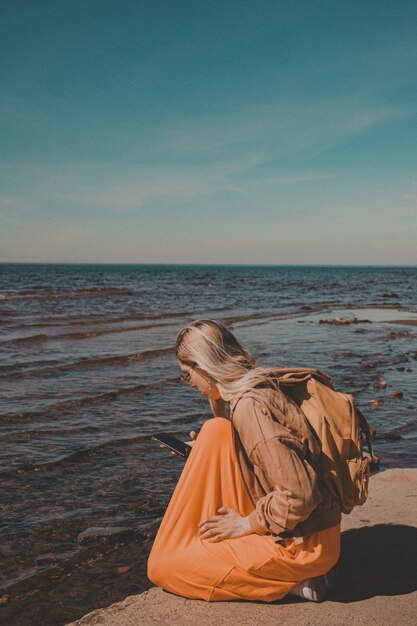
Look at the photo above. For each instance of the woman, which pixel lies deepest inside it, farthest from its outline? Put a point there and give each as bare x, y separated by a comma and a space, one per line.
250, 517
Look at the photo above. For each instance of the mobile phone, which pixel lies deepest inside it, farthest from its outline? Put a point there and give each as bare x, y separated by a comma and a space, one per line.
173, 443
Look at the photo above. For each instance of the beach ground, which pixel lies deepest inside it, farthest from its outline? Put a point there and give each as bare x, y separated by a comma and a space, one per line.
378, 576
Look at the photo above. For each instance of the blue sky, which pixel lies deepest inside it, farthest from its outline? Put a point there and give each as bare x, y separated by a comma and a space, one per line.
209, 132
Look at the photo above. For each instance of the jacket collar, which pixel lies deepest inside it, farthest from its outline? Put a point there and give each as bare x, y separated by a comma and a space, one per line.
234, 401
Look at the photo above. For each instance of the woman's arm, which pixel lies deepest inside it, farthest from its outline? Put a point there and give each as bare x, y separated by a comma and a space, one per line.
279, 454
296, 493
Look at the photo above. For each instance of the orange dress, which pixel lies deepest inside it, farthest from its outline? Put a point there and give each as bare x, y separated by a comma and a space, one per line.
252, 567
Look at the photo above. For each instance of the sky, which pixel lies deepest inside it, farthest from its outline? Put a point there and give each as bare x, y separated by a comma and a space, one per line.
253, 132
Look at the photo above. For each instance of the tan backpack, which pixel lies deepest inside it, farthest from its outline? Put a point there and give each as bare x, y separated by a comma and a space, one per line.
340, 428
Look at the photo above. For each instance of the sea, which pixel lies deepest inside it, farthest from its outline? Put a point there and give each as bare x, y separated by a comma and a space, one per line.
88, 374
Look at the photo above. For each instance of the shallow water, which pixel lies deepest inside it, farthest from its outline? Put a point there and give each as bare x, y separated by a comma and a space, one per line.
87, 374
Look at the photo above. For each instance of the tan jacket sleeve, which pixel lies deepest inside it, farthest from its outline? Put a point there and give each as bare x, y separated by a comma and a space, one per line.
280, 456
296, 493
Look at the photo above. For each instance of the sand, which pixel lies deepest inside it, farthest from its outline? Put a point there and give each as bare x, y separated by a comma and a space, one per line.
378, 576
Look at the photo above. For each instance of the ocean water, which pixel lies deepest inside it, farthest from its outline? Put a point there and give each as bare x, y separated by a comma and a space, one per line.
87, 374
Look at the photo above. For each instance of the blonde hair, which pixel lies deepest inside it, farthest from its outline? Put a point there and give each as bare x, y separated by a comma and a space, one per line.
213, 348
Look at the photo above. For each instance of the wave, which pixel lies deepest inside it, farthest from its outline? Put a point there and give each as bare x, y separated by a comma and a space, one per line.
266, 316
31, 339
77, 293
80, 335
396, 433
112, 320
77, 455
97, 333
18, 367
67, 405
124, 359
406, 425
68, 321
305, 310
88, 334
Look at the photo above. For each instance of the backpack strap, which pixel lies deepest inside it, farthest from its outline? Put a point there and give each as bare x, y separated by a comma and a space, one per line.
290, 376
369, 434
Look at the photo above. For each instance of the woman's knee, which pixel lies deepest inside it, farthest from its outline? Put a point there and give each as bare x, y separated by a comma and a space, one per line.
155, 570
164, 572
215, 425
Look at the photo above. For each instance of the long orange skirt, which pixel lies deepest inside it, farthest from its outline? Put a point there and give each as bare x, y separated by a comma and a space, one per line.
252, 567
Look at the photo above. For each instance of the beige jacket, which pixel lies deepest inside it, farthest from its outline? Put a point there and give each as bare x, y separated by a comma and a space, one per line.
278, 457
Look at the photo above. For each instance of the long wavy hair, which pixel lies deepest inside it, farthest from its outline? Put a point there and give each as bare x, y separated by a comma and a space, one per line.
213, 348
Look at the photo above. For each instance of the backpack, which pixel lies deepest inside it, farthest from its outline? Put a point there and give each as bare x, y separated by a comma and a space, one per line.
341, 430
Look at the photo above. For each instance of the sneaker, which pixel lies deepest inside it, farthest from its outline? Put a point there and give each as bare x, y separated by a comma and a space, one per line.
332, 577
315, 589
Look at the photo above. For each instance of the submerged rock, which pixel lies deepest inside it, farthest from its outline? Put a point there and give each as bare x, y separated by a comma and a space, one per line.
397, 394
377, 403
380, 384
367, 365
100, 533
343, 321
393, 436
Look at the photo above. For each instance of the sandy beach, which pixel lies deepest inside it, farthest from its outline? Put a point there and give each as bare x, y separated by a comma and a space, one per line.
378, 578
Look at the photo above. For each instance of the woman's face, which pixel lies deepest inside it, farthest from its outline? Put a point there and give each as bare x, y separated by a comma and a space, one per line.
200, 379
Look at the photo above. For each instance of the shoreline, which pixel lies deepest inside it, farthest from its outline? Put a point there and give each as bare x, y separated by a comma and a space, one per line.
377, 585
76, 420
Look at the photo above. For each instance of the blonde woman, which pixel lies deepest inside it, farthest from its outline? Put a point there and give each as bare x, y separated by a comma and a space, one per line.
250, 517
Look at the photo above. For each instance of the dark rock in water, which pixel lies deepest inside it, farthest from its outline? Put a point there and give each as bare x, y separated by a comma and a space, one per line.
377, 403
401, 359
380, 384
4, 599
397, 394
102, 534
389, 294
344, 321
398, 333
367, 365
393, 436
401, 369
306, 308
45, 559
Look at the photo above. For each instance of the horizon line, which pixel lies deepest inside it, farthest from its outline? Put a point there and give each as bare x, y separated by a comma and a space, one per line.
103, 263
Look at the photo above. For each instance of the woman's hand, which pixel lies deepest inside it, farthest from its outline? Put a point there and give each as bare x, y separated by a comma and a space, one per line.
194, 436
229, 525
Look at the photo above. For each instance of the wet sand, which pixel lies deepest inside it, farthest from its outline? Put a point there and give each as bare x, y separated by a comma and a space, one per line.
378, 583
